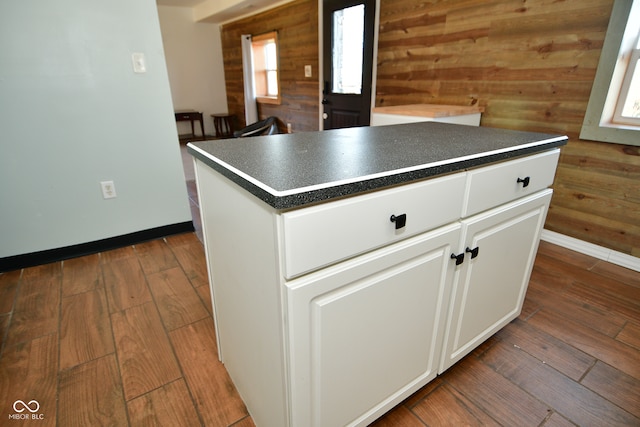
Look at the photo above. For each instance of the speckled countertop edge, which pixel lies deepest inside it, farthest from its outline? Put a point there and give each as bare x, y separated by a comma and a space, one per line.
298, 196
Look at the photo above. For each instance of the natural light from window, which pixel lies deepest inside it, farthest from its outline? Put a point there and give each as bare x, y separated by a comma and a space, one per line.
264, 49
629, 100
348, 48
613, 112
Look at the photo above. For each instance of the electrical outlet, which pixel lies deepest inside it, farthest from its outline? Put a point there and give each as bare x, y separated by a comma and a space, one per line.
289, 130
307, 71
108, 189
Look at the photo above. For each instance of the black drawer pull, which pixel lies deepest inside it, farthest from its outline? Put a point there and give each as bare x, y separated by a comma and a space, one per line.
524, 181
473, 252
400, 220
459, 258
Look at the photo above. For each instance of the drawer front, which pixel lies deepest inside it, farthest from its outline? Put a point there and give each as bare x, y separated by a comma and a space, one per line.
490, 186
321, 235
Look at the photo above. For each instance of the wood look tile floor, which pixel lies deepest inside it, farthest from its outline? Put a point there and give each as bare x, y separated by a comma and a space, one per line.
126, 337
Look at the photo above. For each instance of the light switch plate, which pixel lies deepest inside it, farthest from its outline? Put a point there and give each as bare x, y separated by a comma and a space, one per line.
307, 71
139, 63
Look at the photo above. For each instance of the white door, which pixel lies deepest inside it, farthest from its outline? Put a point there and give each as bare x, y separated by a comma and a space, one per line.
366, 333
500, 246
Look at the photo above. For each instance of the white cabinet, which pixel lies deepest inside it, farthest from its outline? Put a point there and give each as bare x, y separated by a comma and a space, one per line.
366, 333
500, 247
330, 232
332, 314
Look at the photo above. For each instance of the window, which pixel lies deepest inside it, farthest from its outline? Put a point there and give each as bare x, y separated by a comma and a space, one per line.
612, 113
348, 48
264, 49
628, 106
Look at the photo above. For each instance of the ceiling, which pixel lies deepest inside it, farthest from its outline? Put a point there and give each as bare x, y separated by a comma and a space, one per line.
221, 10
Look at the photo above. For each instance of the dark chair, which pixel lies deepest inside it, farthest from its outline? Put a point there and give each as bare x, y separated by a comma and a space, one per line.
267, 126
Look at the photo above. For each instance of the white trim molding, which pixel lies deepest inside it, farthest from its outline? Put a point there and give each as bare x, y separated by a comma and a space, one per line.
596, 251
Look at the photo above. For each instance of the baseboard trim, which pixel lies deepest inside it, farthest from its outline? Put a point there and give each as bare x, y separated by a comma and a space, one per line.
17, 262
596, 251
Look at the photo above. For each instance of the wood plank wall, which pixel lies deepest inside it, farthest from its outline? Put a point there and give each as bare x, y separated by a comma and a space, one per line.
531, 65
297, 26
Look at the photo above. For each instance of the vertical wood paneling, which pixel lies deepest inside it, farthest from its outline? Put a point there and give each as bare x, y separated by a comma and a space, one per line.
297, 26
531, 65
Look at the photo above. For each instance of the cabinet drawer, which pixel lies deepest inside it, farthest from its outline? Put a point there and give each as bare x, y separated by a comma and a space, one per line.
321, 235
491, 186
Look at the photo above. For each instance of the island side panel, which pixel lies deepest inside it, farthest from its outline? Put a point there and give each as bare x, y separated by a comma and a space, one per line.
242, 258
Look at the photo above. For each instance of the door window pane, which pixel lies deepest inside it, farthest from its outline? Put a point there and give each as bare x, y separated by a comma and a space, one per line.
348, 45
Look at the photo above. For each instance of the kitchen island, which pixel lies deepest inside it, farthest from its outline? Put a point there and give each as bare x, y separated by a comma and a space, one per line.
350, 267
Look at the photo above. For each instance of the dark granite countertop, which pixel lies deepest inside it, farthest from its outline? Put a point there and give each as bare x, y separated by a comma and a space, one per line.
293, 170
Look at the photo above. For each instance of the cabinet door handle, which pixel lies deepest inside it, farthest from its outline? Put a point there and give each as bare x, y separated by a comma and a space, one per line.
524, 181
459, 258
473, 252
400, 220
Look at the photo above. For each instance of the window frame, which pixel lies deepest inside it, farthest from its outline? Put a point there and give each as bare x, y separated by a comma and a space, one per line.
261, 71
632, 66
598, 124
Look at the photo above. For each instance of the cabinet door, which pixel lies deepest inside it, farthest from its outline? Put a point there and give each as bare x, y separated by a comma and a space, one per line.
500, 247
366, 333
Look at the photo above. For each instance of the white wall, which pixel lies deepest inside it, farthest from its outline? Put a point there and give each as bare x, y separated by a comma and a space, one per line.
194, 60
73, 113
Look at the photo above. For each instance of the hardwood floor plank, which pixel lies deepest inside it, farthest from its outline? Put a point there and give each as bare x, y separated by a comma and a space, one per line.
155, 256
551, 274
81, 274
37, 308
245, 422
616, 272
145, 356
8, 287
530, 305
416, 397
205, 296
85, 328
570, 398
504, 401
557, 420
183, 239
447, 406
53, 269
615, 386
192, 259
4, 328
600, 346
28, 371
169, 406
91, 395
609, 295
565, 358
599, 318
117, 254
630, 335
400, 416
214, 393
176, 299
125, 284
567, 256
